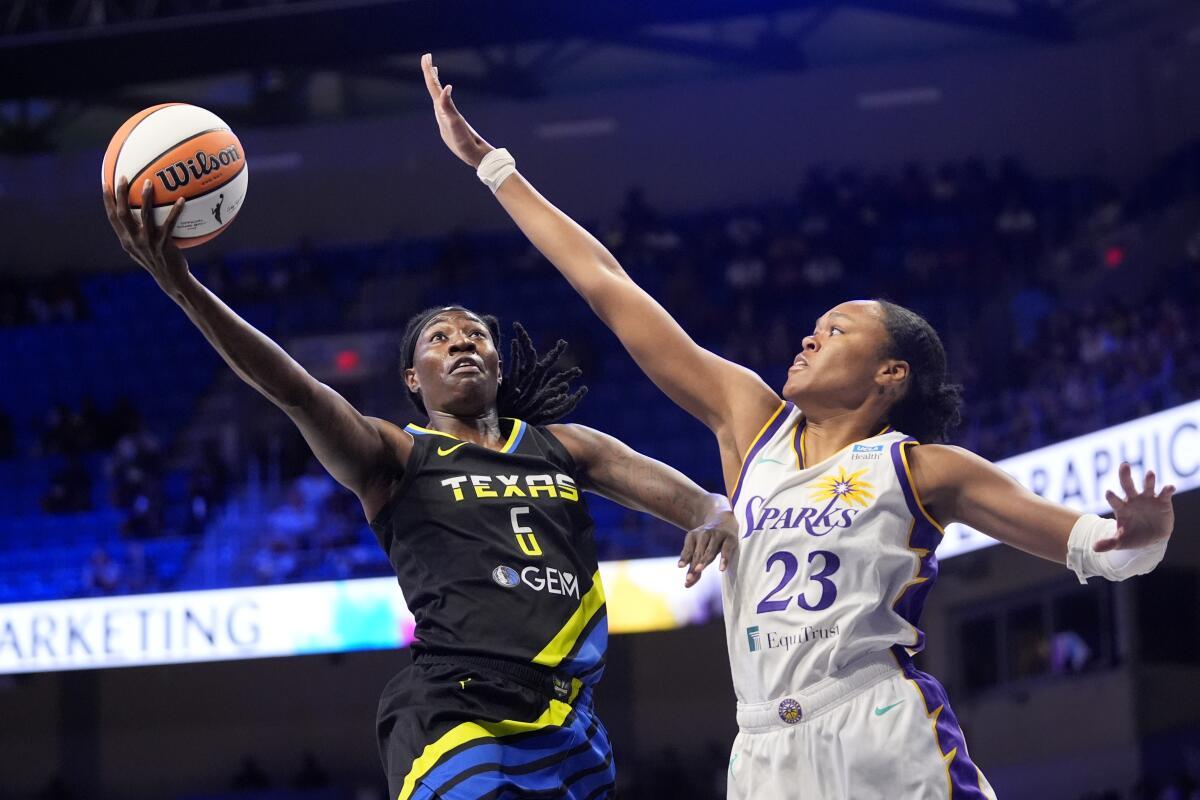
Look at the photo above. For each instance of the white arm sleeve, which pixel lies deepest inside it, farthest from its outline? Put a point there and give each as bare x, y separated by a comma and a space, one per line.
1114, 565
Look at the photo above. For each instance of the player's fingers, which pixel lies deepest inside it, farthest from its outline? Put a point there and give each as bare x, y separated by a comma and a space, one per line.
431, 77
168, 226
124, 215
1167, 492
149, 227
1104, 545
110, 204
1116, 502
698, 551
1125, 473
689, 545
449, 108
114, 220
727, 549
1148, 483
711, 549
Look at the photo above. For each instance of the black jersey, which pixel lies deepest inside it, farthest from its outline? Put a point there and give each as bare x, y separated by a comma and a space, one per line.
494, 551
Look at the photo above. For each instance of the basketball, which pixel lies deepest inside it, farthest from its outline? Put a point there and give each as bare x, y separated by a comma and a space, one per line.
185, 151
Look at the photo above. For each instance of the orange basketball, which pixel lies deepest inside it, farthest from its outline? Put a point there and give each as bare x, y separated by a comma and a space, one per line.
184, 151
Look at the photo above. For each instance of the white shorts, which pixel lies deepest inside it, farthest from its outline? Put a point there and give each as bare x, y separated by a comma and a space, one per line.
878, 729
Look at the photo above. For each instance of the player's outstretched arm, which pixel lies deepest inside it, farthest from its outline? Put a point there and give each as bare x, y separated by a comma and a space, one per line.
611, 468
729, 399
959, 486
358, 451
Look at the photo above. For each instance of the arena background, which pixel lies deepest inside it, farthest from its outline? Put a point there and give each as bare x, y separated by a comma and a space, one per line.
1025, 173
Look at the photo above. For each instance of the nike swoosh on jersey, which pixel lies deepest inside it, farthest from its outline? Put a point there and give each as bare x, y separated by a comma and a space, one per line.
445, 451
879, 712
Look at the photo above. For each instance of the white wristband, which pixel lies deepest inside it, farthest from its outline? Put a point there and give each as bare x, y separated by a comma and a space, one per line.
495, 167
1114, 565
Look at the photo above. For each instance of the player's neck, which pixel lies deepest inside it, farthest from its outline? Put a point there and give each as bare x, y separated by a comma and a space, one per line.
825, 435
483, 430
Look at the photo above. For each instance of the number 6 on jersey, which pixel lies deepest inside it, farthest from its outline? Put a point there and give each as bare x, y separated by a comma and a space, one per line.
525, 538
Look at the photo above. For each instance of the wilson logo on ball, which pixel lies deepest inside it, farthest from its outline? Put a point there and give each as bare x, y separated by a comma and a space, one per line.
183, 152
181, 173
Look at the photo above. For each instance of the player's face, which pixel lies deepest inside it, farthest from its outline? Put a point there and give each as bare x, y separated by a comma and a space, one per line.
456, 367
841, 358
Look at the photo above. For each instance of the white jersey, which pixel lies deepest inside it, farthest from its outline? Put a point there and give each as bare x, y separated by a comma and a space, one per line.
834, 562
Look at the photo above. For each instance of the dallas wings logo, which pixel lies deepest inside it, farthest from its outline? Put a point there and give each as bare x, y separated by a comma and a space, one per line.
825, 515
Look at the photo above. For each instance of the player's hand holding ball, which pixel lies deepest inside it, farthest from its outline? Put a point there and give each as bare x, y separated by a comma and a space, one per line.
147, 242
174, 176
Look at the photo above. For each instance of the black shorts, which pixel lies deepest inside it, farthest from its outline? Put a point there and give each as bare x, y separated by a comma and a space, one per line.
458, 727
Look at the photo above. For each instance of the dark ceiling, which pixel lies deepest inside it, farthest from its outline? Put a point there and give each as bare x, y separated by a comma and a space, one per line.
69, 67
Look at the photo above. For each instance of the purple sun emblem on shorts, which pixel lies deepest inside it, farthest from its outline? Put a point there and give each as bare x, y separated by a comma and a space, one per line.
789, 711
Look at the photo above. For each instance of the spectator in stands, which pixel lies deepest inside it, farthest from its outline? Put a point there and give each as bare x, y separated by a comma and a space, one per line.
101, 574
208, 485
56, 300
135, 470
199, 504
140, 574
93, 423
70, 489
123, 420
337, 541
1067, 652
314, 487
61, 431
290, 528
293, 521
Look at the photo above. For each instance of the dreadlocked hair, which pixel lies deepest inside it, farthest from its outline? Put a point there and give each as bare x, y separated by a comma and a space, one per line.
931, 407
530, 391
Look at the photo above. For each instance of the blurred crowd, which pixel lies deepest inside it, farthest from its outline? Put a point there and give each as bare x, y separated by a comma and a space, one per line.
1053, 320
316, 531
1064, 304
56, 299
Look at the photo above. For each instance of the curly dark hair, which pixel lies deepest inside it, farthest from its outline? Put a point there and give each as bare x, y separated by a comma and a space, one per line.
529, 391
931, 407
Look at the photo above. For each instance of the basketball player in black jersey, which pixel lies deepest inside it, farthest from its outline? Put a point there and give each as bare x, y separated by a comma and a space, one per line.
480, 513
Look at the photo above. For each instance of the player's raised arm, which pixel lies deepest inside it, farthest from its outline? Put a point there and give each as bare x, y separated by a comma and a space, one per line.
731, 400
959, 486
361, 453
611, 468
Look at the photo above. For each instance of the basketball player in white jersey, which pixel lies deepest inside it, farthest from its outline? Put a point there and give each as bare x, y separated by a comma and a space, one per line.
841, 509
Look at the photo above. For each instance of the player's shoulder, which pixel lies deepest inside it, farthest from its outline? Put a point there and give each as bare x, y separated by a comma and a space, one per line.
578, 442
938, 469
942, 455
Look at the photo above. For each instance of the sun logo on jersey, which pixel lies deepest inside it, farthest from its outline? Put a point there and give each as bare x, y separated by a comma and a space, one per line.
843, 486
789, 711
